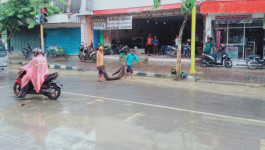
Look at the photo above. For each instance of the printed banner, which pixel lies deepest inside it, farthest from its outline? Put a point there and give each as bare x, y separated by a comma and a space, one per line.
123, 22
99, 23
232, 52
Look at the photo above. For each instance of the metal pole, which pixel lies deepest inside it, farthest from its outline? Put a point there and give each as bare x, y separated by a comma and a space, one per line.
41, 36
193, 31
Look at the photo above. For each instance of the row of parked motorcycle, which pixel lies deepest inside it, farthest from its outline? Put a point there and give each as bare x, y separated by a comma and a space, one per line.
208, 60
186, 50
50, 52
88, 52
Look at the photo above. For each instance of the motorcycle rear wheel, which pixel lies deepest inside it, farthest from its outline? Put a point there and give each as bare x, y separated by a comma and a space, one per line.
228, 63
17, 88
56, 94
203, 63
171, 54
94, 58
188, 54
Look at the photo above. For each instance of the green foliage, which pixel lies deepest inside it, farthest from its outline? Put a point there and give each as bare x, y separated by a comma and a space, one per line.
14, 13
187, 6
156, 3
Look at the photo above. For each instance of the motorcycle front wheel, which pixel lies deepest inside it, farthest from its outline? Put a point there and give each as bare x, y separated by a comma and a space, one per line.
82, 58
203, 63
17, 88
228, 63
252, 64
56, 92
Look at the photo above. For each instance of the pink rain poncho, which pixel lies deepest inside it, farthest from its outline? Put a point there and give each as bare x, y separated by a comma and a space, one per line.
36, 69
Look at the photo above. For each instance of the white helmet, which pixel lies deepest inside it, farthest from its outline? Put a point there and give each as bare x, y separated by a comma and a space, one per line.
37, 51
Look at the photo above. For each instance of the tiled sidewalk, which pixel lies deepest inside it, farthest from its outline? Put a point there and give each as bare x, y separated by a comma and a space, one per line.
219, 74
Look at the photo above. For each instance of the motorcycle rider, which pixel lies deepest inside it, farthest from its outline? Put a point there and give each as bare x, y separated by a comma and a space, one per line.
36, 69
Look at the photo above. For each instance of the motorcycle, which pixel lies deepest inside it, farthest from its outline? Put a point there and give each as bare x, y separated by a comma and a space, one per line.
255, 61
172, 51
87, 53
187, 50
211, 60
27, 52
50, 88
117, 48
124, 49
108, 50
120, 48
54, 51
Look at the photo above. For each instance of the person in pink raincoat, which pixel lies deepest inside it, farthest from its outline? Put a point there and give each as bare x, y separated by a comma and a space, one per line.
36, 69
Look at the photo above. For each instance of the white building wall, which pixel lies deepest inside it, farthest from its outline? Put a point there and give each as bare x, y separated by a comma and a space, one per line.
208, 26
118, 4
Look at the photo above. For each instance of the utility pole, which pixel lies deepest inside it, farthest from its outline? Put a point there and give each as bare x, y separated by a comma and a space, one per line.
41, 36
193, 31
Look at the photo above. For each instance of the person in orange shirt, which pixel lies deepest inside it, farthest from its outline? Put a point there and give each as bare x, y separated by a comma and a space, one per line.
100, 65
149, 44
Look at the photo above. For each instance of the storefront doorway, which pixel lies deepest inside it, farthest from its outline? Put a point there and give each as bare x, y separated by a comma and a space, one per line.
165, 28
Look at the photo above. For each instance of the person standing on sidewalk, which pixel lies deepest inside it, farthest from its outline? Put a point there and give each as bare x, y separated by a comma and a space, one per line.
176, 40
129, 62
208, 46
100, 65
155, 43
149, 44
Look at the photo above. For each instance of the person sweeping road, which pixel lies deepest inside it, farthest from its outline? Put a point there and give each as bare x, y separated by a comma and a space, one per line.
129, 62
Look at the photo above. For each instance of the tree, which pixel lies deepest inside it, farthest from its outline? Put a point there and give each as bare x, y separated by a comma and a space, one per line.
15, 13
186, 7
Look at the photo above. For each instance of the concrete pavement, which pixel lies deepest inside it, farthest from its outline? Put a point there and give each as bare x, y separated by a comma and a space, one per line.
132, 114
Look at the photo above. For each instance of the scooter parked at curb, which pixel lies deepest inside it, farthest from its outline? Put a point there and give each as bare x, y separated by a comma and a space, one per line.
211, 60
255, 61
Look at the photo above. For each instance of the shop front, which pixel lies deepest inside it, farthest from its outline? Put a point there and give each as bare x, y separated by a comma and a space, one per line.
132, 25
242, 34
241, 29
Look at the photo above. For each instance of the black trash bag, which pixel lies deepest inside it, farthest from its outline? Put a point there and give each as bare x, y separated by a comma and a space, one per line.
115, 76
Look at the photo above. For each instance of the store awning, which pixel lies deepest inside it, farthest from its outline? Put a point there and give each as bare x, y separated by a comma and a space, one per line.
138, 9
233, 6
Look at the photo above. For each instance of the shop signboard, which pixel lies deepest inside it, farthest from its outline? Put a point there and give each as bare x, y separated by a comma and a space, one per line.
233, 19
99, 23
232, 52
122, 22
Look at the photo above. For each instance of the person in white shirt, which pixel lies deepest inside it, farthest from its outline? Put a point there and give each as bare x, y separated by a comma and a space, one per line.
176, 40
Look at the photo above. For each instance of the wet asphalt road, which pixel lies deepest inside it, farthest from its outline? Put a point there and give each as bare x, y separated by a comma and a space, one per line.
126, 115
